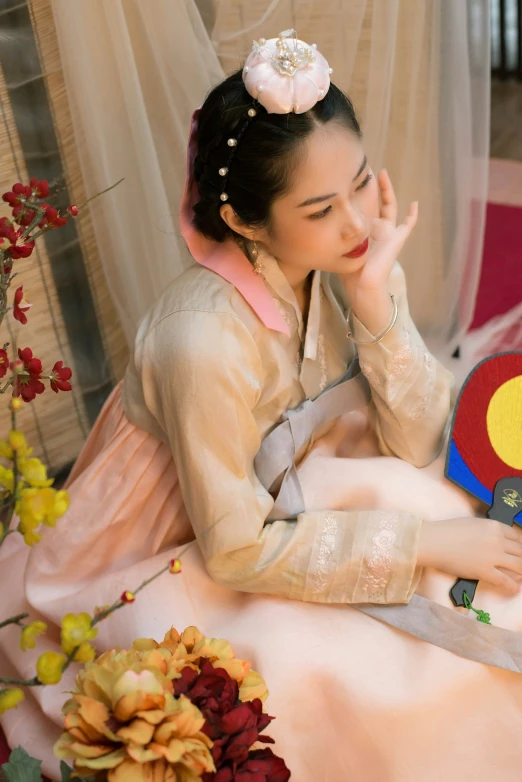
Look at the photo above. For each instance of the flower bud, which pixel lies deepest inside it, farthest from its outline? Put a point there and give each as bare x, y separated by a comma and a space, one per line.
10, 698
49, 667
128, 597
175, 566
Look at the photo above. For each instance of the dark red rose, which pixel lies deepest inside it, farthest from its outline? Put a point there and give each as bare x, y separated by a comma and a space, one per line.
233, 726
263, 766
260, 766
213, 691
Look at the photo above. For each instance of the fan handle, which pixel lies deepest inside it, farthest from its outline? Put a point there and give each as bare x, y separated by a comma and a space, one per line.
507, 503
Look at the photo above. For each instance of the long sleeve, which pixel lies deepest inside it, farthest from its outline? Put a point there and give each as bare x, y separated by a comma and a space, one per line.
412, 392
202, 378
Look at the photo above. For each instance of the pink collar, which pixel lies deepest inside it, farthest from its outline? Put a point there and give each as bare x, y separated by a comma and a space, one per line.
225, 258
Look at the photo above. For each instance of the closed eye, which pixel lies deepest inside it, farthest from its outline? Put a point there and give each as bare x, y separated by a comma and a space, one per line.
367, 179
321, 214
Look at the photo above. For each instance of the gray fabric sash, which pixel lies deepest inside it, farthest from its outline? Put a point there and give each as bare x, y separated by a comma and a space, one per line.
275, 459
423, 618
458, 633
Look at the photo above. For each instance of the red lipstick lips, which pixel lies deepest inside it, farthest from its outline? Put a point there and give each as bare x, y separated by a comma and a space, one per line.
357, 251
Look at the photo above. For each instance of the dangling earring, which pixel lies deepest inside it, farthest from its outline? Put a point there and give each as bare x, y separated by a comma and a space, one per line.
257, 267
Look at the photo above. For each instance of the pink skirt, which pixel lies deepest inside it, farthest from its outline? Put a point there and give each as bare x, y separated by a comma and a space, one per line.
354, 699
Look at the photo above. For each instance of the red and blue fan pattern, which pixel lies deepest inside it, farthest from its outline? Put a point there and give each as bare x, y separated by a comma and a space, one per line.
486, 437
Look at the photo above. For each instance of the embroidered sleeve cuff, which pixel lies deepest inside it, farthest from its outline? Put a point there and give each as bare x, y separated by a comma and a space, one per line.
363, 557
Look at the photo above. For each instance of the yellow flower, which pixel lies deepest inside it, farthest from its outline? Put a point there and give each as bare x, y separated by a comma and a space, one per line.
123, 720
27, 526
37, 506
16, 403
6, 479
76, 628
35, 473
30, 536
49, 667
61, 504
18, 443
85, 653
5, 450
29, 634
9, 699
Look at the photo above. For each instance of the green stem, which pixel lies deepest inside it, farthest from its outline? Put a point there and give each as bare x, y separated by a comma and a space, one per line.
9, 383
14, 620
34, 682
101, 193
12, 503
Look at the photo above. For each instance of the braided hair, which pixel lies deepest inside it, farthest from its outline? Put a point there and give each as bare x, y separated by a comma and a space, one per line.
256, 168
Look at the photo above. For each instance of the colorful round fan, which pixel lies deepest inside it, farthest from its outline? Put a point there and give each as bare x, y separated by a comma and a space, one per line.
485, 449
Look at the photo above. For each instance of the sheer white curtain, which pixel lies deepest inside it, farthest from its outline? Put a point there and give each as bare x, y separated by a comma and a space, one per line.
418, 74
134, 73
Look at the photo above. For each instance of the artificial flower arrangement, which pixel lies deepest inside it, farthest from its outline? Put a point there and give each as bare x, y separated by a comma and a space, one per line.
182, 710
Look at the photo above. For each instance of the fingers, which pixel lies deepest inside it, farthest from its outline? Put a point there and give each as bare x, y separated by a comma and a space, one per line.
513, 563
513, 547
404, 229
505, 582
411, 220
513, 533
388, 199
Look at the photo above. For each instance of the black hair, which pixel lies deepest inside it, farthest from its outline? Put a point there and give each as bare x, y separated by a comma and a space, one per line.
261, 164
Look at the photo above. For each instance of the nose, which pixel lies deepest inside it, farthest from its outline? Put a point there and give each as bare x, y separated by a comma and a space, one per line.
354, 223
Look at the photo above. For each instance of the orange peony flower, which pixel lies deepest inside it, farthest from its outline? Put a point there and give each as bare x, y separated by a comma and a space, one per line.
191, 647
124, 721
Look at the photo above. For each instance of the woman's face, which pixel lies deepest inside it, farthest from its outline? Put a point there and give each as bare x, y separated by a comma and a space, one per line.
328, 211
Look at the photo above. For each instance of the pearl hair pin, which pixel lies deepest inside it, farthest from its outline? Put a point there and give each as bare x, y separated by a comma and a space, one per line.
232, 142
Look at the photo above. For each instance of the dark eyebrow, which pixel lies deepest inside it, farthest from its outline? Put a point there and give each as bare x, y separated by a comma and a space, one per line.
361, 168
318, 199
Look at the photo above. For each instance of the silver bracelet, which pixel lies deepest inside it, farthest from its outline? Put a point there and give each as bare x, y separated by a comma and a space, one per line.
349, 332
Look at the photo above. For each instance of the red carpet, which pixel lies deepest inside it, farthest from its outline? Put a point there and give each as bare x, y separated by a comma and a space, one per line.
500, 284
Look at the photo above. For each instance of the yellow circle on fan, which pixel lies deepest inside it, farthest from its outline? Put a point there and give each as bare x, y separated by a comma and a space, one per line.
504, 422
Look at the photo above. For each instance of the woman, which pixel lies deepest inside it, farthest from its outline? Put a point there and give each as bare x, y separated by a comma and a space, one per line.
281, 408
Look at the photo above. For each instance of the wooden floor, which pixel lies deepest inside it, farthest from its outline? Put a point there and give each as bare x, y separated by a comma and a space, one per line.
506, 120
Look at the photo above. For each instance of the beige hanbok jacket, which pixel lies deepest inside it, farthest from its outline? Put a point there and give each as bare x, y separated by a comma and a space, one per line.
211, 380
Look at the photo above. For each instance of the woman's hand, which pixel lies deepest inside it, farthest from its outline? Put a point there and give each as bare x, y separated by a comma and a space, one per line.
367, 288
471, 548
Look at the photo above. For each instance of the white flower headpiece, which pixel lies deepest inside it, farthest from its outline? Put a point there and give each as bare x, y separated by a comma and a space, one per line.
285, 74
